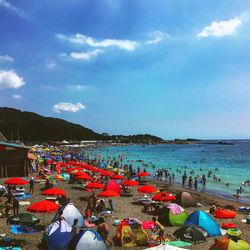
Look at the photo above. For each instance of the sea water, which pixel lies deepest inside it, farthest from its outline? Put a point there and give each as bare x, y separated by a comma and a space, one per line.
232, 162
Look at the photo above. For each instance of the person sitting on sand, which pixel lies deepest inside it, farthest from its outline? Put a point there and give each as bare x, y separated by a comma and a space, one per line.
212, 209
158, 227
102, 229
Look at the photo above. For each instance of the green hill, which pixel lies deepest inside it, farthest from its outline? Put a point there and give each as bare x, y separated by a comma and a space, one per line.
31, 128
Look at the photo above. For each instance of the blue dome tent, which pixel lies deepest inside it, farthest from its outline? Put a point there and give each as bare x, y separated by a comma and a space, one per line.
204, 220
57, 235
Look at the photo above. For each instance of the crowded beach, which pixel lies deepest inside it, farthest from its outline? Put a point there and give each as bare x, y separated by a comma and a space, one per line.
74, 201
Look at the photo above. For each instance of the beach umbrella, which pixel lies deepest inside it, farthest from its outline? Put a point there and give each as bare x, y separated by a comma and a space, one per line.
143, 174
95, 185
23, 219
54, 191
107, 173
108, 193
130, 183
16, 181
97, 170
76, 173
117, 177
43, 207
148, 189
163, 196
83, 176
69, 170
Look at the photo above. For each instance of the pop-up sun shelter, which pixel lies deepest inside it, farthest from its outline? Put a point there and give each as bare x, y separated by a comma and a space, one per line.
70, 212
130, 233
185, 199
88, 239
57, 235
172, 215
228, 244
204, 220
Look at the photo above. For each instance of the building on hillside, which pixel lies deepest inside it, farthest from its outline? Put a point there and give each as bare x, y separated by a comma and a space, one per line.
14, 160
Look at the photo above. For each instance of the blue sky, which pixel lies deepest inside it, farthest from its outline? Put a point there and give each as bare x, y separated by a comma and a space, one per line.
175, 69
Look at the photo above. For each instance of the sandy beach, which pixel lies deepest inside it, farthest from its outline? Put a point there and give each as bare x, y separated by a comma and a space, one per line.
128, 207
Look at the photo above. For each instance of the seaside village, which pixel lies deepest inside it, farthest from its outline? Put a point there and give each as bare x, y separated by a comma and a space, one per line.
58, 197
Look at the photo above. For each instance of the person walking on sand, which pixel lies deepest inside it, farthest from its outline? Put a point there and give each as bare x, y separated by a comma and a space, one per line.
102, 229
15, 206
32, 184
160, 228
195, 184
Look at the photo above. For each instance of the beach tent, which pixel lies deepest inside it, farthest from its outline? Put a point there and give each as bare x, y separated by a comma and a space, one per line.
57, 235
185, 200
172, 215
192, 234
228, 244
165, 247
70, 212
87, 239
114, 186
130, 233
204, 220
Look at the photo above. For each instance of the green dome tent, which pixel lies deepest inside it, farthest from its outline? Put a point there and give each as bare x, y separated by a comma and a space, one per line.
172, 215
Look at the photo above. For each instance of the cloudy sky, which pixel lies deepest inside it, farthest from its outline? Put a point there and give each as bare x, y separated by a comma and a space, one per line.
175, 69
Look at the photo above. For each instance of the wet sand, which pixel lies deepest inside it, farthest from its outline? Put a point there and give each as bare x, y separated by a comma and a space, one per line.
125, 207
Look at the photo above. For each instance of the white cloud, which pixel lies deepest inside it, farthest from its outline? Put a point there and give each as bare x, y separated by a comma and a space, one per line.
9, 79
6, 58
17, 96
51, 64
78, 87
11, 7
157, 37
68, 107
221, 28
90, 41
86, 56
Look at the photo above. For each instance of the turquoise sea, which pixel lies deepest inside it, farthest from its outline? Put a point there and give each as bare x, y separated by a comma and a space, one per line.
232, 161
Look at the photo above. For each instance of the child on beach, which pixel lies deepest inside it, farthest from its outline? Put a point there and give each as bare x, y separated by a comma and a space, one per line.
158, 227
102, 229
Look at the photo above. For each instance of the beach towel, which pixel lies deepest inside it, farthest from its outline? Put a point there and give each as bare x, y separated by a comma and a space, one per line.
24, 203
25, 196
12, 248
19, 229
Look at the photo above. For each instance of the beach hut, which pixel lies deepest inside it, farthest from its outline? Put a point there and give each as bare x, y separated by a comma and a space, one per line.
172, 215
57, 235
204, 220
185, 200
70, 212
87, 239
228, 244
130, 233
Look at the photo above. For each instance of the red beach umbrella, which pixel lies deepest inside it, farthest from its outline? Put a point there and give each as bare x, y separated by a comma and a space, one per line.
43, 207
54, 191
163, 196
97, 170
95, 185
108, 193
83, 176
143, 174
16, 181
130, 183
107, 173
69, 170
117, 177
148, 189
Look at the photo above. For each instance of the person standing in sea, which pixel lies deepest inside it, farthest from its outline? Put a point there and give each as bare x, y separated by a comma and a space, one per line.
195, 184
